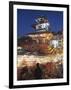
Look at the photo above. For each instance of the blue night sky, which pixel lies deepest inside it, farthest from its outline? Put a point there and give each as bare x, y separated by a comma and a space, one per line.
26, 18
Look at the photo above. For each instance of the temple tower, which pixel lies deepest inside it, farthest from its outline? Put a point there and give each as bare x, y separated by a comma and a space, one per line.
41, 25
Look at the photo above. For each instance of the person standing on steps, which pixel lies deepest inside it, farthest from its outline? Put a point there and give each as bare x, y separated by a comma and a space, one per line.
38, 72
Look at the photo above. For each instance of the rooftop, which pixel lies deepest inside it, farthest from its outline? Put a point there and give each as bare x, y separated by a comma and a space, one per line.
39, 32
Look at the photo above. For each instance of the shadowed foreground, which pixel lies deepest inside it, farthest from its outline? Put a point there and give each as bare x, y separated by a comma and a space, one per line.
50, 70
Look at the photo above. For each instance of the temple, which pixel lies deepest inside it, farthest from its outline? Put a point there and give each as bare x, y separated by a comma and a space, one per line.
42, 32
42, 40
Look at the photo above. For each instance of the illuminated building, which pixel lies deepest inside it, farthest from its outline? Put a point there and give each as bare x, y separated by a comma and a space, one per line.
42, 40
42, 33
